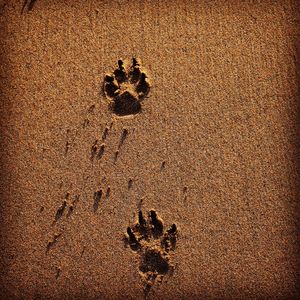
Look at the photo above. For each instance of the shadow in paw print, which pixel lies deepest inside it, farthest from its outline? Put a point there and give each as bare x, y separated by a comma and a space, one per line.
154, 262
126, 87
148, 239
126, 104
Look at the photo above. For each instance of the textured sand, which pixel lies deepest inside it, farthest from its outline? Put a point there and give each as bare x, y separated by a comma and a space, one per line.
215, 149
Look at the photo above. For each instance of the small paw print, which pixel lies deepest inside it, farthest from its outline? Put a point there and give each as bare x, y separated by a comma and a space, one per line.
148, 239
126, 87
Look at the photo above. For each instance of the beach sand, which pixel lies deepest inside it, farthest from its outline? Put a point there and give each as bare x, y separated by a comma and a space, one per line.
189, 191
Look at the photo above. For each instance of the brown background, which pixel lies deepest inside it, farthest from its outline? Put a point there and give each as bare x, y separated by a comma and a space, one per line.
223, 113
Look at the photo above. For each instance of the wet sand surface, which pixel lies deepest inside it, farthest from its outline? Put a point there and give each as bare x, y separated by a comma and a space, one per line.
181, 183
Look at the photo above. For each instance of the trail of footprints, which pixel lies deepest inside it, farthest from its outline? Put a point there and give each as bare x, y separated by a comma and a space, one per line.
67, 202
98, 148
125, 89
66, 208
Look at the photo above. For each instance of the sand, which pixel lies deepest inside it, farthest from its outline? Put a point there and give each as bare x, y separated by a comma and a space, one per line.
182, 183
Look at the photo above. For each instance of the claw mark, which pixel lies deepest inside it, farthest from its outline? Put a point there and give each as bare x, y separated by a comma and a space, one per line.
53, 242
163, 165
142, 224
97, 198
147, 239
157, 224
133, 242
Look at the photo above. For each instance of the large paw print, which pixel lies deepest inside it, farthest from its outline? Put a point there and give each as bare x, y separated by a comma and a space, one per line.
148, 239
126, 87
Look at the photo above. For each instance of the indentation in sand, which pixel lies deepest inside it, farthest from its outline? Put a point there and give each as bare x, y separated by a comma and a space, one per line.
126, 87
148, 239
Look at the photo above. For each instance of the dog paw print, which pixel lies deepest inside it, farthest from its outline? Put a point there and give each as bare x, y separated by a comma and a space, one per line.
126, 87
148, 239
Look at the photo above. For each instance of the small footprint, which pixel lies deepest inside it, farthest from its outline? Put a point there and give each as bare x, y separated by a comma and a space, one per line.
97, 198
108, 192
185, 190
73, 205
123, 137
61, 209
53, 241
58, 270
105, 133
130, 183
97, 150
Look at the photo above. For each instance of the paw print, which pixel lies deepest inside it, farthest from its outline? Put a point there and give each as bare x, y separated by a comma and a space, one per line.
126, 87
148, 239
